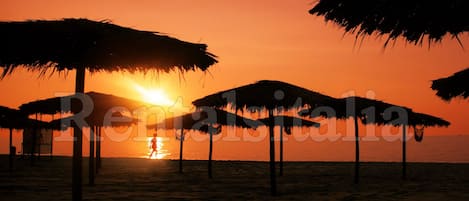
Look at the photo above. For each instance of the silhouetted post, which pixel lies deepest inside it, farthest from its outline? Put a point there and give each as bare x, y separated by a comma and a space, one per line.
210, 153
181, 140
52, 143
281, 151
357, 151
98, 148
91, 158
404, 152
77, 142
273, 183
11, 155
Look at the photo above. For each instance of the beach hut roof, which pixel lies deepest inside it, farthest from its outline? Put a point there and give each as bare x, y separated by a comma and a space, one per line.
95, 45
289, 122
101, 104
265, 94
95, 120
453, 86
414, 20
203, 117
15, 119
420, 119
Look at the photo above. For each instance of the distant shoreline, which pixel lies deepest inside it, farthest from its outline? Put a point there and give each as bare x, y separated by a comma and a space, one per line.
46, 157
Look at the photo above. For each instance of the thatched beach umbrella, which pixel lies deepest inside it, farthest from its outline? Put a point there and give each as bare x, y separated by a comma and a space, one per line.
414, 20
369, 111
453, 86
287, 123
13, 119
418, 120
204, 120
81, 44
266, 95
98, 104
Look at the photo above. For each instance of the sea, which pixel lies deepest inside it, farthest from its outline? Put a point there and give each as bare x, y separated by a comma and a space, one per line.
451, 148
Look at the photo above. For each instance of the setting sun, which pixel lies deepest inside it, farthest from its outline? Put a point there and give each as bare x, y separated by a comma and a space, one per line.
154, 96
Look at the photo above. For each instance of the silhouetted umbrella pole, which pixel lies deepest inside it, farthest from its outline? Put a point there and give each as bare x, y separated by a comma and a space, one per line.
287, 122
404, 160
10, 147
357, 150
210, 152
181, 139
91, 164
281, 151
98, 148
273, 182
417, 119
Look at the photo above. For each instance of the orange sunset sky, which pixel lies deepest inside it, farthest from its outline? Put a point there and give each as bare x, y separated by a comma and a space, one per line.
254, 40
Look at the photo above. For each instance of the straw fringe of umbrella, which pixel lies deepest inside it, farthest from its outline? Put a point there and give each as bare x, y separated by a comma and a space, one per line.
414, 20
101, 103
456, 85
265, 95
67, 44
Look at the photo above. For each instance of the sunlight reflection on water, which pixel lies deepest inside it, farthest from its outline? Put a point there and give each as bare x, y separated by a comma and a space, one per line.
161, 151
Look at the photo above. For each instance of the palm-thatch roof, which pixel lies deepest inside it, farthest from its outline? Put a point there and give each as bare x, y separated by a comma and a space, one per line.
453, 86
380, 112
288, 122
118, 120
420, 119
355, 106
414, 20
371, 111
97, 46
15, 119
101, 104
265, 94
207, 116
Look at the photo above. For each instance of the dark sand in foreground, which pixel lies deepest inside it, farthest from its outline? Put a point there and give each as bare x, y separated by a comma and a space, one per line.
143, 179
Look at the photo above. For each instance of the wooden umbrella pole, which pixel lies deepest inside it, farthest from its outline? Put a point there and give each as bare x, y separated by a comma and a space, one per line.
33, 143
52, 143
281, 151
10, 165
181, 140
77, 143
91, 158
357, 151
404, 152
273, 183
98, 148
210, 153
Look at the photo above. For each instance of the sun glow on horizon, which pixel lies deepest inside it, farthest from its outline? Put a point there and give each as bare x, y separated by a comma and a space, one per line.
155, 96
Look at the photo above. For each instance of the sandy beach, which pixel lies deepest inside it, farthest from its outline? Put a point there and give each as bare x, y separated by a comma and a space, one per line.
143, 179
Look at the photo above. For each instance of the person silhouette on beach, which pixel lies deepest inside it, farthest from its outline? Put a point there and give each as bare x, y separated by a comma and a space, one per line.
153, 145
